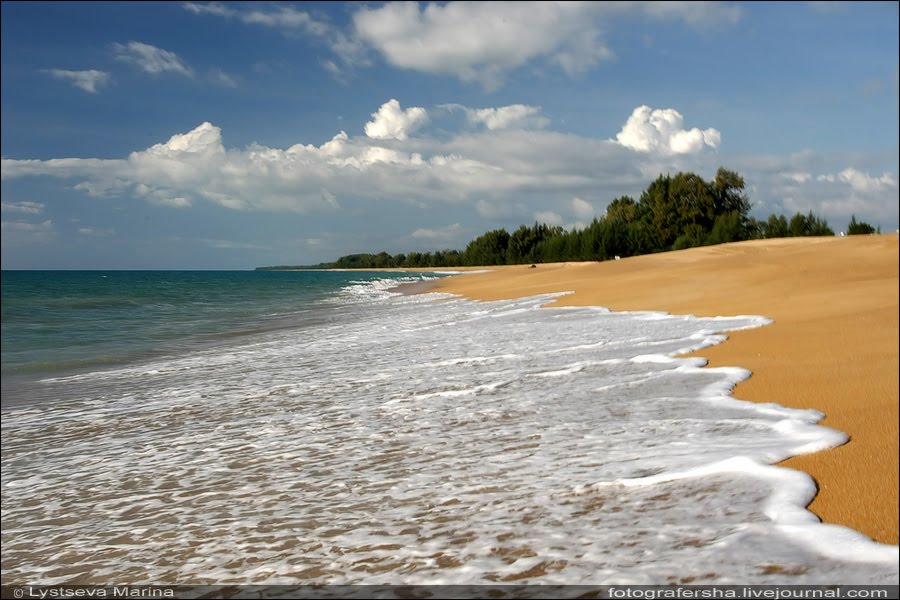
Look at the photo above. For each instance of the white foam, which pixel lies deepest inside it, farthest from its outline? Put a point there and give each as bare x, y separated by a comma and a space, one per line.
403, 440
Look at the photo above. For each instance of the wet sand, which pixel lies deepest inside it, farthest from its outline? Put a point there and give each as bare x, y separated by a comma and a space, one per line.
833, 345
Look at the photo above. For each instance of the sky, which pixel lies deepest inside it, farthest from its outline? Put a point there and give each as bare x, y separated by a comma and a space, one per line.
230, 135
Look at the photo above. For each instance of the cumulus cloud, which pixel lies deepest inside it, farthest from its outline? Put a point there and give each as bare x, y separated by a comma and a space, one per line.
90, 81
825, 184
479, 41
583, 210
443, 234
505, 175
506, 117
863, 182
151, 59
474, 41
661, 130
548, 217
31, 208
23, 226
392, 122
18, 232
485, 167
849, 191
797, 177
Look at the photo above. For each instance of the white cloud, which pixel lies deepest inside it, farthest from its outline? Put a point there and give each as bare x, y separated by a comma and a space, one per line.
661, 130
495, 171
808, 181
582, 209
282, 16
232, 245
508, 117
443, 234
347, 47
392, 122
548, 217
31, 208
479, 41
94, 232
151, 59
18, 232
90, 81
220, 77
474, 41
504, 175
863, 182
211, 8
32, 227
285, 16
850, 192
797, 177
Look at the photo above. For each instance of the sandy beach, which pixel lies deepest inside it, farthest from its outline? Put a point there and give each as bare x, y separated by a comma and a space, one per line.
833, 345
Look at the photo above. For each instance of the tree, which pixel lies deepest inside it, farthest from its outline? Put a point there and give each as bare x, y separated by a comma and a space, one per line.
728, 189
777, 227
694, 202
673, 212
694, 235
818, 226
488, 249
730, 227
524, 240
659, 214
859, 228
623, 209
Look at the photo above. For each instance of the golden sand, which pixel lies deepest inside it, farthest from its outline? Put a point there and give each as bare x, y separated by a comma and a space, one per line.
833, 345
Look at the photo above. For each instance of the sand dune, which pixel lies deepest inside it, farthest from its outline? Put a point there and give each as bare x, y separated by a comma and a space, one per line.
833, 346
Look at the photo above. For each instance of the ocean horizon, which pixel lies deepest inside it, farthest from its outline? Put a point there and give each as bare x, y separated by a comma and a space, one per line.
317, 427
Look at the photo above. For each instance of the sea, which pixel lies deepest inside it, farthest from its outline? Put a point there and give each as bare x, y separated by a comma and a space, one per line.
320, 427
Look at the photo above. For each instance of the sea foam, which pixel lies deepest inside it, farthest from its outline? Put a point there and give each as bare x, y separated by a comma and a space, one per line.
425, 439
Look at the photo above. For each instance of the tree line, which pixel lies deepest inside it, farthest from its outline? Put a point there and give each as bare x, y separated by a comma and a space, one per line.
673, 213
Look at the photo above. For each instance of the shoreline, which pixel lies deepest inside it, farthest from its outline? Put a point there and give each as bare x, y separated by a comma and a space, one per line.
833, 345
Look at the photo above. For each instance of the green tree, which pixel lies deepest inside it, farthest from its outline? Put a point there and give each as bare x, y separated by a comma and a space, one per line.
728, 189
658, 213
673, 212
777, 227
488, 249
799, 225
859, 228
730, 227
524, 240
623, 209
693, 201
694, 235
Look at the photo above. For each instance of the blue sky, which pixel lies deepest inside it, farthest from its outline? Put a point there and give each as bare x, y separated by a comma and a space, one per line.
213, 135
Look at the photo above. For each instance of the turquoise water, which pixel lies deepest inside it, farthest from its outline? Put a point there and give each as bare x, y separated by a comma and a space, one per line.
57, 323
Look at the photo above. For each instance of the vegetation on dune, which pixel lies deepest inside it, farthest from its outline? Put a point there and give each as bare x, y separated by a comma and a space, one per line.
860, 228
673, 213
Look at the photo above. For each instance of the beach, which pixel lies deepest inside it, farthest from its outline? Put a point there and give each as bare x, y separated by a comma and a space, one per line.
319, 427
833, 345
